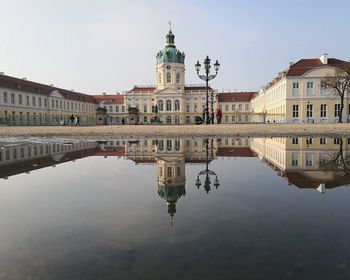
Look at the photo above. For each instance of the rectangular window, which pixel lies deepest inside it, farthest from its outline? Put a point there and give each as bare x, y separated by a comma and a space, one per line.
226, 107
57, 104
310, 88
309, 159
323, 112
4, 97
45, 102
240, 107
295, 140
336, 141
195, 106
295, 90
145, 119
233, 107
117, 109
336, 110
123, 108
187, 108
60, 104
322, 140
295, 159
111, 108
308, 141
247, 107
12, 98
295, 111
178, 78
39, 101
33, 101
20, 99
145, 108
309, 110
52, 103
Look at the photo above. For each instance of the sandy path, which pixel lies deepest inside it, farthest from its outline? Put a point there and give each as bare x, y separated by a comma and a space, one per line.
121, 131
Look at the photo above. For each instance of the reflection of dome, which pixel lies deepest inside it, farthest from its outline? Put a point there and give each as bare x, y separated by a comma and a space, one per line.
170, 53
171, 194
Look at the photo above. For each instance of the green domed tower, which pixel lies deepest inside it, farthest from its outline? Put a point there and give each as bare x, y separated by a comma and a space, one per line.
170, 65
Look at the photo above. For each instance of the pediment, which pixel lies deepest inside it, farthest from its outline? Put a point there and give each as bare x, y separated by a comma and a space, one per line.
56, 93
168, 91
320, 72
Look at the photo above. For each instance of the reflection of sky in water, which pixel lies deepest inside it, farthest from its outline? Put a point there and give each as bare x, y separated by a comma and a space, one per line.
102, 218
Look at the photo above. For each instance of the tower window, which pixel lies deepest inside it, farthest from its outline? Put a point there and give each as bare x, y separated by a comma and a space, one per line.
178, 78
160, 77
168, 77
177, 105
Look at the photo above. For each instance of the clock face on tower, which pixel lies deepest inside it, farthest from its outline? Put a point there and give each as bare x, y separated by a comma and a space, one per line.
168, 67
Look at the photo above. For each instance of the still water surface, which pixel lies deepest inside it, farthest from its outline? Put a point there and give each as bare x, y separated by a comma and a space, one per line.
270, 208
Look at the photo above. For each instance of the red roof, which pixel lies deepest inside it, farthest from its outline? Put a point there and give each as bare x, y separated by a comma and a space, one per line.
33, 87
304, 65
197, 88
234, 152
116, 99
235, 96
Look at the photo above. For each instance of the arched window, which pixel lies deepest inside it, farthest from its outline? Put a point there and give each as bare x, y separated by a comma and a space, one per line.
161, 145
168, 105
177, 145
169, 144
160, 105
178, 78
177, 105
168, 77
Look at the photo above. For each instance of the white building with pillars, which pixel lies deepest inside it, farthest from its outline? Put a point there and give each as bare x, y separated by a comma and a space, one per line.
177, 102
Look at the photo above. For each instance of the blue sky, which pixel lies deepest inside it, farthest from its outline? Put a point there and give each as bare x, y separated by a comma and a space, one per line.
109, 46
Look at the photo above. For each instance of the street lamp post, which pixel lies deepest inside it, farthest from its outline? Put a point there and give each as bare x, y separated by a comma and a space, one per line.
212, 106
207, 172
207, 77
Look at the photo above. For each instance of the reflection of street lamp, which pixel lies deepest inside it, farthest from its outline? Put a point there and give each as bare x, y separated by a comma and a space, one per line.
207, 172
207, 77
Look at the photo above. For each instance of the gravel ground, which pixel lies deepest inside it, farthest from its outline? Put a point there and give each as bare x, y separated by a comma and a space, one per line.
163, 131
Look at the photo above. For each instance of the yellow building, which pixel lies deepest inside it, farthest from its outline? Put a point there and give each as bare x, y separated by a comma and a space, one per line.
299, 95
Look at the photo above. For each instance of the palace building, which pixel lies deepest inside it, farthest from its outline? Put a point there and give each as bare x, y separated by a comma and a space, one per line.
297, 95
300, 95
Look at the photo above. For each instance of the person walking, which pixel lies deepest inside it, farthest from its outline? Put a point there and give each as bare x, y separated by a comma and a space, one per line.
218, 116
78, 120
71, 118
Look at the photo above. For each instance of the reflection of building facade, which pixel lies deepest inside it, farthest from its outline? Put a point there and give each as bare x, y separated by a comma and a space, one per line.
307, 162
316, 163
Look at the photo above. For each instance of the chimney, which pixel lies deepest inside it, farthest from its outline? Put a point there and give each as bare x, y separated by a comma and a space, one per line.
291, 63
324, 58
2, 73
104, 93
51, 85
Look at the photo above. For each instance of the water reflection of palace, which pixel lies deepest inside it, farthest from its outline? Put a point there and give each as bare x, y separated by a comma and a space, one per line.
316, 163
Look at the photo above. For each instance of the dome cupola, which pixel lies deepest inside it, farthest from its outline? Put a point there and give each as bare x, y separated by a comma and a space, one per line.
170, 53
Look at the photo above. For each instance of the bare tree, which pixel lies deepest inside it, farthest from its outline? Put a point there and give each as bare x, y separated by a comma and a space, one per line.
339, 83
